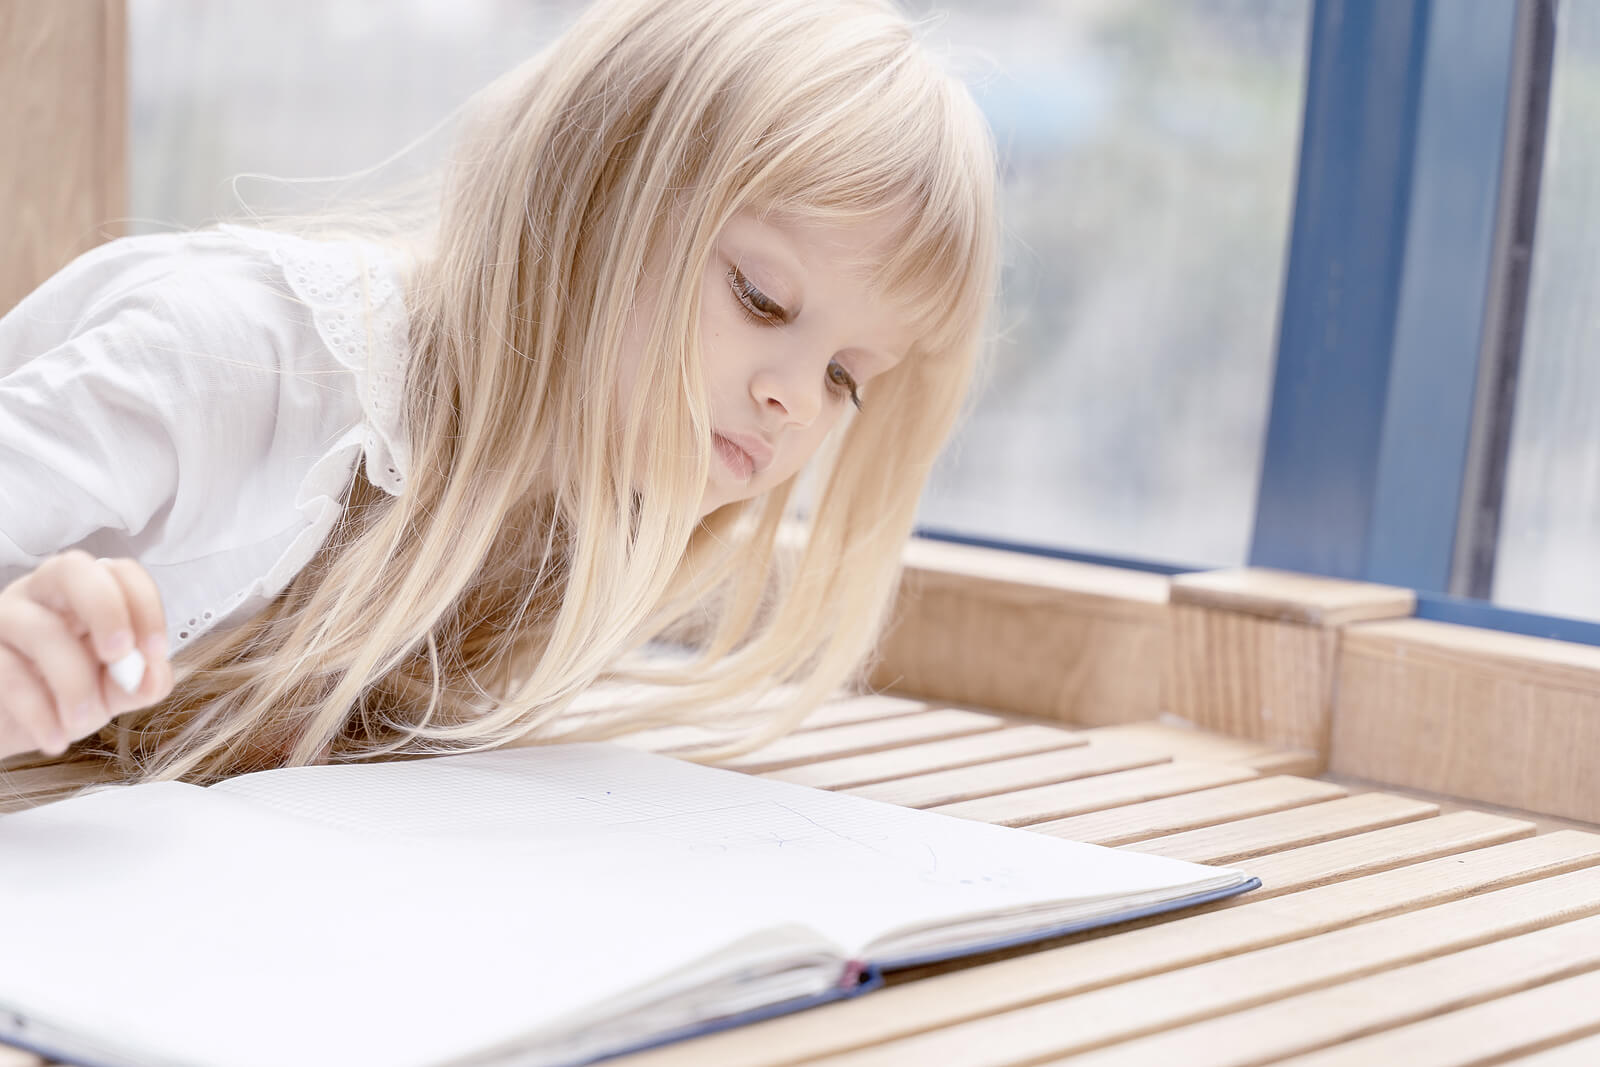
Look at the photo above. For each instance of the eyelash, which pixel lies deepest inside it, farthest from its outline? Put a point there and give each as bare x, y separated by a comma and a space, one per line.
760, 309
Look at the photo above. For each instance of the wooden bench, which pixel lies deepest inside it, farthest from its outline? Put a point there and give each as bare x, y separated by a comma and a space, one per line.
1392, 926
1389, 928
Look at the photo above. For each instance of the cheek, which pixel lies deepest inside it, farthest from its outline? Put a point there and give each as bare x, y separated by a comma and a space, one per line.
719, 344
803, 447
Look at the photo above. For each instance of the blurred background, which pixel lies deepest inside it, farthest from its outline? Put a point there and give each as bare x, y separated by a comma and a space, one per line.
1149, 152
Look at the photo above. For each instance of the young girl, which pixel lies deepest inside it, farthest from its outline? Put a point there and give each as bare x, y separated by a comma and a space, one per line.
385, 496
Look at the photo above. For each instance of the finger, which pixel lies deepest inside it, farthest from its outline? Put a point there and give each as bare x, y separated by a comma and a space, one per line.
28, 705
90, 598
63, 660
143, 599
15, 739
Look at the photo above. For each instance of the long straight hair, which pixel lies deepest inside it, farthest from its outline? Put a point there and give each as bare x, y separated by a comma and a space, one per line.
544, 534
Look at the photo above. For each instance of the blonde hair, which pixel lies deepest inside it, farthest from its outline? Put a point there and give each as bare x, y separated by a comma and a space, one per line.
544, 534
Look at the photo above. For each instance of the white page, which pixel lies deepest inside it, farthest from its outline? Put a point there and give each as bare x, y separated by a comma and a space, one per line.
212, 931
854, 867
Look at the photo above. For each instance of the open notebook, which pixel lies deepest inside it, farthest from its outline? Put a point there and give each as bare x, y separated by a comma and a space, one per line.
523, 906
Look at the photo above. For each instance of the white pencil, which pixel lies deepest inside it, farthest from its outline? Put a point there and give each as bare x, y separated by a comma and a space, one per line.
128, 671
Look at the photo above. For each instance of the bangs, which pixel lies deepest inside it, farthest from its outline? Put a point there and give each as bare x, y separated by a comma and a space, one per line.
911, 148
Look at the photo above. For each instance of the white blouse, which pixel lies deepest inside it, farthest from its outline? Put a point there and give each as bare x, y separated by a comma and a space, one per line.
198, 402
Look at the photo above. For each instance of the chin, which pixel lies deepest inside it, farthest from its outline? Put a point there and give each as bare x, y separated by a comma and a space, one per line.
711, 504
714, 502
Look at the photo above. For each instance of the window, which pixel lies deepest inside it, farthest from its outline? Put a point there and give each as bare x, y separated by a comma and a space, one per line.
1148, 171
1166, 303
1548, 556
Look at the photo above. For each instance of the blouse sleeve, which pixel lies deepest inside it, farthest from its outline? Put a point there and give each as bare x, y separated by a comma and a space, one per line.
85, 444
161, 398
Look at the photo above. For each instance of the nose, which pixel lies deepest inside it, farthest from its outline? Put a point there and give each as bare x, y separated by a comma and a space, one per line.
790, 391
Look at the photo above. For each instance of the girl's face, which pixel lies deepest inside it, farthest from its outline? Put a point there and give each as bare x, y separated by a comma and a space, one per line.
791, 339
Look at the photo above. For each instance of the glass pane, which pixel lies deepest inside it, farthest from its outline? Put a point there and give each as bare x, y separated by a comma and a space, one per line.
300, 89
1149, 155
1548, 558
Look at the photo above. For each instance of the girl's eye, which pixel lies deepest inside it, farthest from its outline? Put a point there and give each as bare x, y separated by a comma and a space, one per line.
841, 382
760, 308
756, 304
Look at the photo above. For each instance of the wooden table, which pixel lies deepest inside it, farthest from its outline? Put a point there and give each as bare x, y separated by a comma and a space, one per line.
1389, 929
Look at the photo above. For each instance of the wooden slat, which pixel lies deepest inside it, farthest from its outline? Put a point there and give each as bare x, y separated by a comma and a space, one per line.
1156, 818
932, 756
1585, 1052
856, 738
1187, 742
1362, 854
868, 707
1133, 1008
1379, 850
964, 783
1183, 742
1100, 961
1541, 823
1288, 761
1483, 1034
845, 711
1244, 838
1317, 1020
1060, 799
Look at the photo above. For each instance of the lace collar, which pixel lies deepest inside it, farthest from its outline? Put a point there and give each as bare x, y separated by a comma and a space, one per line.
355, 291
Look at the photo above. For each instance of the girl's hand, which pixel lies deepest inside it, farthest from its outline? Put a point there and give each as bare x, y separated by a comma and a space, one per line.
62, 626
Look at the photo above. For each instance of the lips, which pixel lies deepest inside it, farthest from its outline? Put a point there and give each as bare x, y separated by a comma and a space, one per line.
744, 455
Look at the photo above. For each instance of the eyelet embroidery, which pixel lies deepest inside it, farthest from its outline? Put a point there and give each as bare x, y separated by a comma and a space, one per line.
360, 317
357, 311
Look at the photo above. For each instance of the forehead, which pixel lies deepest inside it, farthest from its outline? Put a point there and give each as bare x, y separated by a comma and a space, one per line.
853, 249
